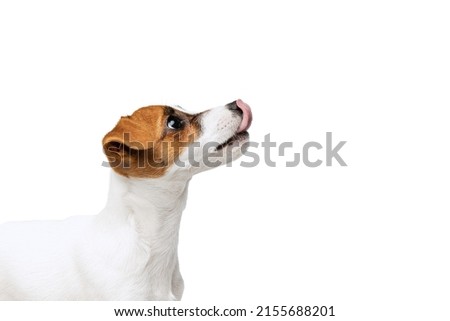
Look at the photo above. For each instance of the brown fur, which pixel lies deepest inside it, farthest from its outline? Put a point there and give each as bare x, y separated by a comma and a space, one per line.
141, 145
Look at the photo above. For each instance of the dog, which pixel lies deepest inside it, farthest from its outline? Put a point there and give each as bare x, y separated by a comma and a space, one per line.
129, 250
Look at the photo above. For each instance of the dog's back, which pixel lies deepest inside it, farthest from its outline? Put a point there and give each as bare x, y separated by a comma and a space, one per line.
80, 258
37, 256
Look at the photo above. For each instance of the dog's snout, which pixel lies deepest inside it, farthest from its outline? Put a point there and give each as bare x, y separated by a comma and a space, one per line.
234, 107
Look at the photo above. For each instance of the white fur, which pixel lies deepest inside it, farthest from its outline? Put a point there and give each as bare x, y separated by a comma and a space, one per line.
126, 252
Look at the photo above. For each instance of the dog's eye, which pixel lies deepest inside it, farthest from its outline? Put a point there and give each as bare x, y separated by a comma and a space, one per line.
174, 122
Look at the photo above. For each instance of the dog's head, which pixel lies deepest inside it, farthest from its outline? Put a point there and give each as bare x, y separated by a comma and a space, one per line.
158, 139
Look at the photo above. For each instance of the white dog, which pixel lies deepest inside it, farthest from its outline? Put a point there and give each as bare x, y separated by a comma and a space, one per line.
129, 250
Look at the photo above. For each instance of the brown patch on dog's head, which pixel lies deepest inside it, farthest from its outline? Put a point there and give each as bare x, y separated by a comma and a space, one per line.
147, 143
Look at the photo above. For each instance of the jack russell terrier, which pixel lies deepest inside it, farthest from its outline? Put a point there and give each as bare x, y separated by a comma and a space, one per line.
129, 250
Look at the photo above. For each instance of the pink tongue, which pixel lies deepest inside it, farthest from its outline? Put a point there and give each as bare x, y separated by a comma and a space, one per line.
246, 115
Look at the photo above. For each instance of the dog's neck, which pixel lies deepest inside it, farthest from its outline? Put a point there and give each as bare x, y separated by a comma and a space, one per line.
151, 209
151, 206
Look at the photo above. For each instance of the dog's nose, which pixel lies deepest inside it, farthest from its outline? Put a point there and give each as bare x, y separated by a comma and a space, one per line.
234, 107
244, 111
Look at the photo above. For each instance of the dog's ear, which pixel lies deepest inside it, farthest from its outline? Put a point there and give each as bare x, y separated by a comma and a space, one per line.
131, 147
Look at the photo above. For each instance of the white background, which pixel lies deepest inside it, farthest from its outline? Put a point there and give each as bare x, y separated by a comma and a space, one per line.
371, 239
